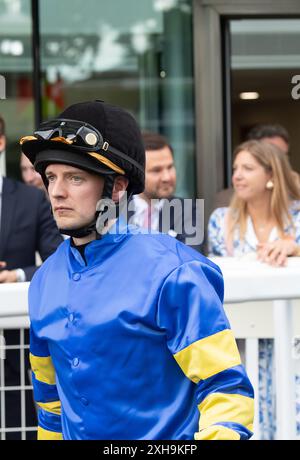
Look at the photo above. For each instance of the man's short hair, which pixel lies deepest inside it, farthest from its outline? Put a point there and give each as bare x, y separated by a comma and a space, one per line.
2, 126
155, 141
259, 132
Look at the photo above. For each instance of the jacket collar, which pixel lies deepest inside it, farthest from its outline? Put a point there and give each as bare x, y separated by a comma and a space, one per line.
99, 250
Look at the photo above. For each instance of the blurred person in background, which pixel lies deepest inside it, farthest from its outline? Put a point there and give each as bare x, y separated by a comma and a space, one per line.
29, 175
27, 226
151, 206
273, 133
263, 222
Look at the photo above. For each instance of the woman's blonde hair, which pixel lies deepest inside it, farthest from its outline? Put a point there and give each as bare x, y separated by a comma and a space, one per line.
286, 187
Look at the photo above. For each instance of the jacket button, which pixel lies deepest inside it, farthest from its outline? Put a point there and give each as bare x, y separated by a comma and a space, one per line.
84, 401
75, 362
76, 276
71, 317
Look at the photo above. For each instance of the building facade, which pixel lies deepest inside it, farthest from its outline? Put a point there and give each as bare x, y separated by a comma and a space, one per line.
179, 66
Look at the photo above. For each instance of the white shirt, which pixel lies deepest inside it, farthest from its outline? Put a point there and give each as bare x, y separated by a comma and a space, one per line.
141, 208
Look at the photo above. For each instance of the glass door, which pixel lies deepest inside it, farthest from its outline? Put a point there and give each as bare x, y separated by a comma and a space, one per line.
16, 66
264, 72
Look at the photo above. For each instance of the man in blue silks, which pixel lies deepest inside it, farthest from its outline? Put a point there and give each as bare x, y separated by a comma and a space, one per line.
129, 339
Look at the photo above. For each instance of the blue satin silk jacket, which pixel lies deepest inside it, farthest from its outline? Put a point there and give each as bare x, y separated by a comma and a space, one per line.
135, 344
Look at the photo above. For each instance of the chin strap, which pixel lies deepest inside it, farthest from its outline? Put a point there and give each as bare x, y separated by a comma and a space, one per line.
97, 224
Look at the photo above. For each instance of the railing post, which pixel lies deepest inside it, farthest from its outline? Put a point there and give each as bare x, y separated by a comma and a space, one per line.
285, 372
252, 368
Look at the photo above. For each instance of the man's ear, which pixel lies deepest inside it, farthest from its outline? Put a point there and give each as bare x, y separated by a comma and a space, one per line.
120, 185
2, 143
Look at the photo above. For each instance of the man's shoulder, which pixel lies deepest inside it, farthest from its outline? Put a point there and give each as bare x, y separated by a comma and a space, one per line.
170, 255
154, 246
172, 199
23, 190
181, 206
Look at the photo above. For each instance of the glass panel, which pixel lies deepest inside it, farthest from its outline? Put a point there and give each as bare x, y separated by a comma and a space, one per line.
17, 109
137, 54
265, 57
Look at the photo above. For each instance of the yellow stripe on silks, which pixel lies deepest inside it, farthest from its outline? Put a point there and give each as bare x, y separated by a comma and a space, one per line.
209, 356
46, 435
106, 162
43, 369
217, 433
226, 407
54, 407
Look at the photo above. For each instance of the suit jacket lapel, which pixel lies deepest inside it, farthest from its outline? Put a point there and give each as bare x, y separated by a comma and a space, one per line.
7, 212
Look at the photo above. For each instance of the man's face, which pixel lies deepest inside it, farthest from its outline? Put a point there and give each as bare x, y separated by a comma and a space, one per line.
160, 181
29, 175
73, 194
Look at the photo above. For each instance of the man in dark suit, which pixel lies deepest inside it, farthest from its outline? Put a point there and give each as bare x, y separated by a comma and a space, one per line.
157, 208
29, 175
26, 227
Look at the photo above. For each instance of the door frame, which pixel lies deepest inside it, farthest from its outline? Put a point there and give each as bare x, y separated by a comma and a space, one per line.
210, 85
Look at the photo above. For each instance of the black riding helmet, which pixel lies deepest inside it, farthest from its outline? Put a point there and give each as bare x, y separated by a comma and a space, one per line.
86, 128
94, 136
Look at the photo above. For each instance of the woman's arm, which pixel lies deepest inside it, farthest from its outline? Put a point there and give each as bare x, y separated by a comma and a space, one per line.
277, 252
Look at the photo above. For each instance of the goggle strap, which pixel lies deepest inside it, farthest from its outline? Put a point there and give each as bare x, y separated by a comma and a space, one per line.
125, 157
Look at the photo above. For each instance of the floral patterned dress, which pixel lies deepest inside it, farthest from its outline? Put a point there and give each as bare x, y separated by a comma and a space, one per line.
246, 248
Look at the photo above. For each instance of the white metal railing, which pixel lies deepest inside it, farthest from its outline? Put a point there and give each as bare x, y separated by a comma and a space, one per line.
14, 315
246, 282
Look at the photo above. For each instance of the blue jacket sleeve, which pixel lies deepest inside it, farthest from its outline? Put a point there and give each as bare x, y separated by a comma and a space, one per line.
199, 337
44, 389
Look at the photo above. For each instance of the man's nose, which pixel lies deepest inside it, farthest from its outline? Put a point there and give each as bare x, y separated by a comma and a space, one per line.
58, 189
166, 175
29, 176
33, 176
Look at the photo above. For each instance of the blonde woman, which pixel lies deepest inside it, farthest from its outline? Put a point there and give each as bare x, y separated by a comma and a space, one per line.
264, 214
262, 221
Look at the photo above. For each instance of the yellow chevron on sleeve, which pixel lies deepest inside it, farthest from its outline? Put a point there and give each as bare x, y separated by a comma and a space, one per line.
226, 407
46, 435
43, 369
209, 356
54, 407
217, 433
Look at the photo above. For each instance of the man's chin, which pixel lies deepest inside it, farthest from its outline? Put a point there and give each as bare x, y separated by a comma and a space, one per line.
67, 224
165, 194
